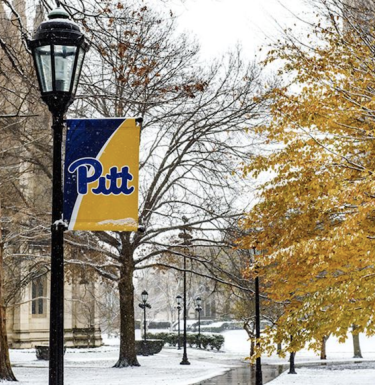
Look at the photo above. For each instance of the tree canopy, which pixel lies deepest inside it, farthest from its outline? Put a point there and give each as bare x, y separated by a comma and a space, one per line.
315, 214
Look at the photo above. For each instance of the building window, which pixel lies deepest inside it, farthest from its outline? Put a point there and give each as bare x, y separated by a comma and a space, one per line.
207, 310
38, 296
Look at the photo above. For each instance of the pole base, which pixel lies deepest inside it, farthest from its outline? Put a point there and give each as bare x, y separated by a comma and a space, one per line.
184, 362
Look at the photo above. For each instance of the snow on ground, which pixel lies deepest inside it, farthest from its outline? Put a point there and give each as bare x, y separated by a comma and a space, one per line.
340, 368
94, 366
336, 375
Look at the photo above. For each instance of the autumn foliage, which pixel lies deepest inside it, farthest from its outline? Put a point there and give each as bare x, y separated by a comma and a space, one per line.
315, 216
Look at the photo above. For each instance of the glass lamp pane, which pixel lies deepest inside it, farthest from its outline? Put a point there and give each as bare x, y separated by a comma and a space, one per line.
144, 296
81, 56
44, 68
64, 65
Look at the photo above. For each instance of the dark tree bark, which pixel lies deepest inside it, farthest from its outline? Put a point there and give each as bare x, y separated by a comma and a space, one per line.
292, 368
249, 328
128, 356
6, 372
356, 344
323, 350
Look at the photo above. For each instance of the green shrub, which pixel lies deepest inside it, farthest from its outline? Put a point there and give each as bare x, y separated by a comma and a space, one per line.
217, 342
207, 340
159, 325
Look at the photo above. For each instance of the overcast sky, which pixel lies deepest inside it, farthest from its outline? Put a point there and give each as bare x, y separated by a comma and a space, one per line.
219, 24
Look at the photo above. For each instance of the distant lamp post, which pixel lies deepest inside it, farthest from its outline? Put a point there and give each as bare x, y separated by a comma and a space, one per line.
186, 242
258, 365
198, 308
179, 302
143, 306
58, 50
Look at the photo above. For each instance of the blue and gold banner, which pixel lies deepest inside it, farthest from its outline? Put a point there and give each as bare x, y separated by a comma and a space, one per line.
101, 174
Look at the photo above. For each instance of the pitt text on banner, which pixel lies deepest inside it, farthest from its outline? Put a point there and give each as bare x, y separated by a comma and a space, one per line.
101, 174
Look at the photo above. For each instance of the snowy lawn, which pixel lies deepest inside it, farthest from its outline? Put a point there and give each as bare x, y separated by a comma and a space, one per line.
94, 366
340, 369
337, 375
89, 368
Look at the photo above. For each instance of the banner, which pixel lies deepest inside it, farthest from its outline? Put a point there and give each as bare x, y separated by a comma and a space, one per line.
101, 174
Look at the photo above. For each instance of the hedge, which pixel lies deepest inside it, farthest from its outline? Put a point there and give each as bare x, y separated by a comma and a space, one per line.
207, 340
159, 325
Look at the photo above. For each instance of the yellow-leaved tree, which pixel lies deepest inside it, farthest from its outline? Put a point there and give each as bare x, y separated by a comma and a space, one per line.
316, 216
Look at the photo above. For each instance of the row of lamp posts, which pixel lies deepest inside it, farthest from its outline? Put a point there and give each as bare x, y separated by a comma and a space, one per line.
198, 308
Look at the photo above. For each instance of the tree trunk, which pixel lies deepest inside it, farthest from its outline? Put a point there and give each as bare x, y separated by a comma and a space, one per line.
128, 356
250, 332
6, 372
292, 368
252, 348
323, 350
356, 345
279, 348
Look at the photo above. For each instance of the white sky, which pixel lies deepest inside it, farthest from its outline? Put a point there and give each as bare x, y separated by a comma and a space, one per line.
220, 24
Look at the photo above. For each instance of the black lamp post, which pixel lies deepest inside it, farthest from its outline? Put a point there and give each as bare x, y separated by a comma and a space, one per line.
258, 365
198, 308
58, 49
143, 306
179, 300
186, 237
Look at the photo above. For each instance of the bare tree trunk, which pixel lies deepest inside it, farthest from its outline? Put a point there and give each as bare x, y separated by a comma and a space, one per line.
252, 348
250, 332
356, 345
128, 356
323, 351
6, 372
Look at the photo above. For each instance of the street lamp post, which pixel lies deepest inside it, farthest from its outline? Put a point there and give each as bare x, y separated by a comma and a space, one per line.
186, 237
179, 300
258, 365
198, 308
58, 50
143, 306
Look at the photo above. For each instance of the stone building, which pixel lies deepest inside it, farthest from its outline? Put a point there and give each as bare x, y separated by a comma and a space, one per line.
28, 320
25, 204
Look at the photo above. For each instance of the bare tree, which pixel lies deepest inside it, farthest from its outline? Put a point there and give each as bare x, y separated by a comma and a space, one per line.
193, 137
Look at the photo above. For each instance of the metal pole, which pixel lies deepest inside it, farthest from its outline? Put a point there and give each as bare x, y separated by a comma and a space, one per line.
258, 365
56, 339
199, 328
184, 357
179, 338
144, 322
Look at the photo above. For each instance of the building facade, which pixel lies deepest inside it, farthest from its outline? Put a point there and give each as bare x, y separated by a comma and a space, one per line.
28, 317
